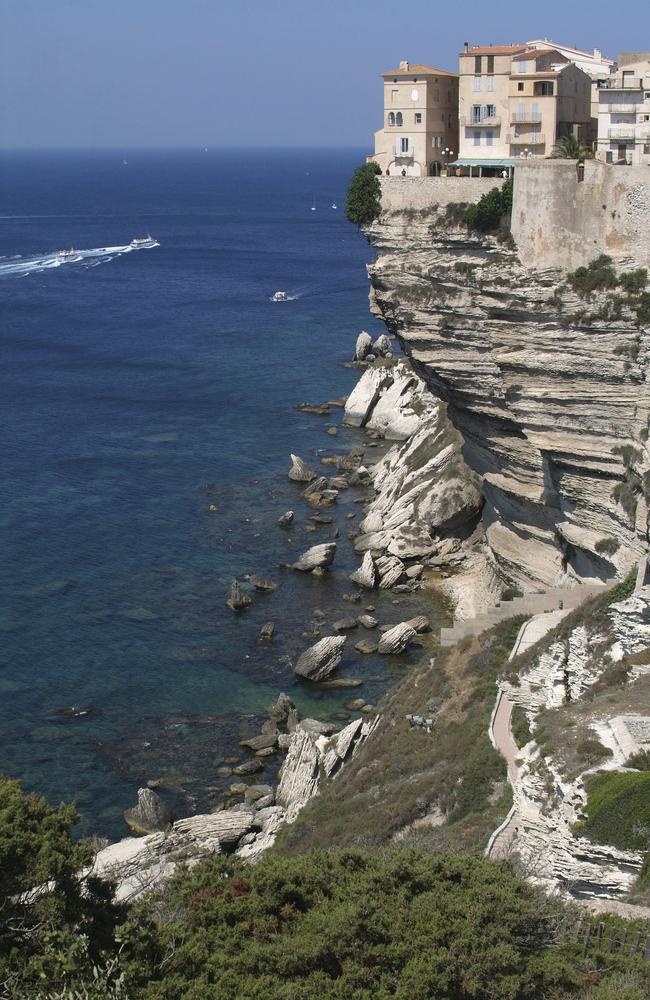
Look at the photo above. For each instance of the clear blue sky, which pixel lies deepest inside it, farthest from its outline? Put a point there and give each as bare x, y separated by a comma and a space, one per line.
250, 72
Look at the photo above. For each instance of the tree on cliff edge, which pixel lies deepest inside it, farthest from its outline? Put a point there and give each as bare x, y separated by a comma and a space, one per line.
363, 203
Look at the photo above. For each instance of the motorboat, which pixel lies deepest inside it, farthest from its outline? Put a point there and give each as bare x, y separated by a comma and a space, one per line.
67, 254
334, 205
279, 297
142, 241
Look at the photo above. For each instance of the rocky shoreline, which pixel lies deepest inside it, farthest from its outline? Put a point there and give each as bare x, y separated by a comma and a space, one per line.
388, 403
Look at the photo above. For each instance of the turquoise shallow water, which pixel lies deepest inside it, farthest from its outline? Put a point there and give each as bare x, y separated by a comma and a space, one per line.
137, 389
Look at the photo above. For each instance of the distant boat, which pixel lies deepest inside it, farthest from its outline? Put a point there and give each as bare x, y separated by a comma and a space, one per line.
313, 206
142, 241
334, 204
67, 254
279, 297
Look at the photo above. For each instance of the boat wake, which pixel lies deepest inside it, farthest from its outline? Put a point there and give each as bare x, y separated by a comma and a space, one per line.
19, 265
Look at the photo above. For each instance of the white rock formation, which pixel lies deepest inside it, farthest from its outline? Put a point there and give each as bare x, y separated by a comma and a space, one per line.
365, 576
396, 639
300, 472
317, 557
321, 659
363, 347
361, 401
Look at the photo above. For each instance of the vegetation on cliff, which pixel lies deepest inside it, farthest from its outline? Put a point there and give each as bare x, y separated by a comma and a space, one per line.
618, 810
363, 203
492, 211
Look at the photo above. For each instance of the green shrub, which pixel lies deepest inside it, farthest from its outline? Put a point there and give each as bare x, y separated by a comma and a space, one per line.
363, 203
607, 546
634, 281
350, 926
519, 727
597, 276
642, 309
486, 215
640, 760
618, 810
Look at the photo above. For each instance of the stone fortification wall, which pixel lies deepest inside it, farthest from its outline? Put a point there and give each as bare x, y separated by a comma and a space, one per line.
559, 222
400, 193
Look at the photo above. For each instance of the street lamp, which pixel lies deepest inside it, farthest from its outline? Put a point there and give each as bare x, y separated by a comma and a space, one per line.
448, 153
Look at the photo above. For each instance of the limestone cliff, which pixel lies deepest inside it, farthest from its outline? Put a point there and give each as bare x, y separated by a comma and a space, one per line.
547, 391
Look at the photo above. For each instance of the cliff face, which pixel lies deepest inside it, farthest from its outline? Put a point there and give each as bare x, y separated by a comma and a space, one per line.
549, 396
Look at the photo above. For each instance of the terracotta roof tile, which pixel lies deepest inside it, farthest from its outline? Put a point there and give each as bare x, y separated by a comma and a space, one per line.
493, 50
418, 69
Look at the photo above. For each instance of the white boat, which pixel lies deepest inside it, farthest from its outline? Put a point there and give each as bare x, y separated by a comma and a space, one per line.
142, 241
334, 204
279, 297
67, 254
313, 205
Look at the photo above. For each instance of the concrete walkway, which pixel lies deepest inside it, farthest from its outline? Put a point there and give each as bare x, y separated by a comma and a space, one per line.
566, 598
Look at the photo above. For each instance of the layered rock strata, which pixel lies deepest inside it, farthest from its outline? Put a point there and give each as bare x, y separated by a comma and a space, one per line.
546, 804
547, 394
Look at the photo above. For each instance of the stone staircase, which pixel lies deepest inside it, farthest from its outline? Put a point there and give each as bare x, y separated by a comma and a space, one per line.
531, 604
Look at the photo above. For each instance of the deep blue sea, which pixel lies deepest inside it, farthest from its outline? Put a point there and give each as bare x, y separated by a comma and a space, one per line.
138, 389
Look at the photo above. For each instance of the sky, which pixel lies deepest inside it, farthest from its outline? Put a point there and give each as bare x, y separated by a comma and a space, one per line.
186, 73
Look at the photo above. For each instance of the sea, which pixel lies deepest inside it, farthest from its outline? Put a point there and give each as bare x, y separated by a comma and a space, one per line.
149, 408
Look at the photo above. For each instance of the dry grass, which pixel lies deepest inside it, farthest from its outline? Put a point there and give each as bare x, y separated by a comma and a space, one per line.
402, 773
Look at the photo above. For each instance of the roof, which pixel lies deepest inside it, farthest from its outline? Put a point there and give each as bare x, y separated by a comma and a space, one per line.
534, 53
493, 50
418, 69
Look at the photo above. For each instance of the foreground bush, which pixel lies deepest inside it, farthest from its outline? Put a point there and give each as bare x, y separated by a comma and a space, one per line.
350, 925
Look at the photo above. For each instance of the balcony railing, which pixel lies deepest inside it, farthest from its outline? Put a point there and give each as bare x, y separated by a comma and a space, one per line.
622, 132
621, 83
485, 122
622, 109
525, 117
532, 139
401, 154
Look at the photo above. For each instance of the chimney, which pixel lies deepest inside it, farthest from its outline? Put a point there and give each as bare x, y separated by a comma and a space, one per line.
404, 64
598, 54
466, 47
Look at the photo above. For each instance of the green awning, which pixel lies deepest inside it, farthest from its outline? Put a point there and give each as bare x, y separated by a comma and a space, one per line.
506, 162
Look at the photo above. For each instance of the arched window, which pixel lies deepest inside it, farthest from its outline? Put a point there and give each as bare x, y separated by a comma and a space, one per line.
391, 118
398, 118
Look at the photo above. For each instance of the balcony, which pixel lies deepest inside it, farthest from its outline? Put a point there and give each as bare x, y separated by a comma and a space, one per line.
525, 118
486, 122
532, 139
618, 83
622, 133
401, 154
621, 109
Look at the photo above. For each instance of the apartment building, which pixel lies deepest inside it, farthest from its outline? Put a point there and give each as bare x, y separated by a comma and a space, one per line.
420, 131
594, 64
517, 101
624, 112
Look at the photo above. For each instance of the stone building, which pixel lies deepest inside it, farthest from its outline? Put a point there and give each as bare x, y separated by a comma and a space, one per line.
597, 66
420, 130
624, 112
516, 101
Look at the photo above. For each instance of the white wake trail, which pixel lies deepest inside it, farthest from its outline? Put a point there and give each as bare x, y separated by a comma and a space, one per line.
18, 265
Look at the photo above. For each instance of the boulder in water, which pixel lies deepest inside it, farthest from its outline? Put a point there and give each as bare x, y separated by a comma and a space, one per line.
321, 659
317, 557
151, 815
300, 472
238, 600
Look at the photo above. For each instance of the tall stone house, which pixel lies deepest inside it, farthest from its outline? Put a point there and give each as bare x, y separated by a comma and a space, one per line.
624, 112
516, 101
420, 131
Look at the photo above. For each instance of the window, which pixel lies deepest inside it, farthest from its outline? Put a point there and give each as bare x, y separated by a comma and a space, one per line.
490, 111
545, 89
398, 118
391, 118
477, 138
489, 138
477, 64
490, 83
404, 145
523, 66
520, 87
436, 142
418, 118
476, 112
394, 94
477, 83
490, 66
